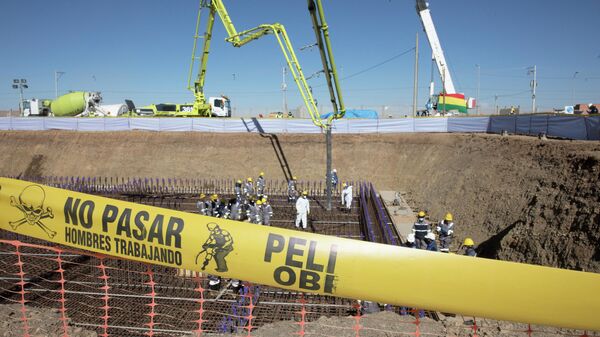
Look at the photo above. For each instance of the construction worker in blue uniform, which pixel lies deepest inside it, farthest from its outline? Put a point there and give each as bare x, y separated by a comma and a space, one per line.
201, 204
292, 190
445, 230
249, 188
258, 215
410, 241
238, 190
235, 209
420, 229
430, 241
469, 245
334, 179
267, 211
260, 184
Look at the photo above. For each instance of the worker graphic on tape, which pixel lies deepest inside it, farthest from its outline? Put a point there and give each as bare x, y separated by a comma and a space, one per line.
218, 245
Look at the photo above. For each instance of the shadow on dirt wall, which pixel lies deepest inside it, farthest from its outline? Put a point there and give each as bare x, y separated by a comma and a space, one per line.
281, 158
491, 247
35, 167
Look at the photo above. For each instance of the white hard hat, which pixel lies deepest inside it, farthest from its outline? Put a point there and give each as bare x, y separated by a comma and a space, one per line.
410, 238
590, 105
430, 236
334, 170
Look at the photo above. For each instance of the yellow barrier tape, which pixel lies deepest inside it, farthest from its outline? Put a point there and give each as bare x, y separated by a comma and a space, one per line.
302, 261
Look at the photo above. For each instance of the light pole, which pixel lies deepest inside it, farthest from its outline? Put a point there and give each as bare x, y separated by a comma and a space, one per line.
573, 89
57, 76
20, 84
533, 70
478, 84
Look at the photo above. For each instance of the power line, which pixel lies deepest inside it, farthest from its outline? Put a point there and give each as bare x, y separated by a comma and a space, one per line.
379, 64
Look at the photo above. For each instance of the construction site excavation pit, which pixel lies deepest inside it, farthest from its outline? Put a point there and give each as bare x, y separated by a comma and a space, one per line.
520, 198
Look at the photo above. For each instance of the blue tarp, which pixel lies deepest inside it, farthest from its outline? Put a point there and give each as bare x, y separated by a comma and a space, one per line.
366, 114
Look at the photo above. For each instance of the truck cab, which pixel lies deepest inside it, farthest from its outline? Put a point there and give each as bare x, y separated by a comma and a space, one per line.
220, 106
35, 107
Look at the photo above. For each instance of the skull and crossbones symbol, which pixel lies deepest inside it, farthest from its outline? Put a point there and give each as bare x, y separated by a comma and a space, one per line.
31, 203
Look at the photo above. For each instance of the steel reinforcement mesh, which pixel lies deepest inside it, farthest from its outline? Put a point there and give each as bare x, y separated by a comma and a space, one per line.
116, 297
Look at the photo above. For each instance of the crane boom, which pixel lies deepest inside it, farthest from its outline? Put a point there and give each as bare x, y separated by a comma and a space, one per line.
436, 46
238, 39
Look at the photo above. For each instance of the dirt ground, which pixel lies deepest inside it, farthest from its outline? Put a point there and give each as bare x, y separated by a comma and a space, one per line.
388, 324
42, 323
520, 198
45, 322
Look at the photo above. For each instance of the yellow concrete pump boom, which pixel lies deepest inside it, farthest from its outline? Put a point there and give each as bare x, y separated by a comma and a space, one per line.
238, 39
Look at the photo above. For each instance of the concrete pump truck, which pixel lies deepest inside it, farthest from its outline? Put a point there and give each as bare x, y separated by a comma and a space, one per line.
220, 106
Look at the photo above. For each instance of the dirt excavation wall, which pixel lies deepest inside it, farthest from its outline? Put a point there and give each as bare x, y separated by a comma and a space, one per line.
520, 198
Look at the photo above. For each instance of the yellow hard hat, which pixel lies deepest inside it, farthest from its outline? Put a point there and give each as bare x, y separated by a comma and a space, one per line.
264, 199
202, 195
214, 196
249, 179
239, 181
294, 178
344, 184
305, 193
421, 214
468, 242
259, 202
261, 174
448, 217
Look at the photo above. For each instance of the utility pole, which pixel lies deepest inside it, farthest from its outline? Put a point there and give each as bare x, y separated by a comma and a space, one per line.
573, 89
57, 76
284, 90
533, 86
416, 76
496, 104
478, 85
444, 88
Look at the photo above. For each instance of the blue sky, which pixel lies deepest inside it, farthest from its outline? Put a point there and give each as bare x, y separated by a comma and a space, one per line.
141, 50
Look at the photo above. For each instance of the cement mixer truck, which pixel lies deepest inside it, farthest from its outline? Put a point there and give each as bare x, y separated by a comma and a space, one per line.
78, 103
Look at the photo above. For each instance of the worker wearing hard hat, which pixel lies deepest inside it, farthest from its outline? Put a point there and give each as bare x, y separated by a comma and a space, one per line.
445, 230
201, 204
334, 179
260, 184
469, 247
249, 188
210, 205
292, 191
302, 210
250, 210
592, 109
267, 211
431, 243
347, 196
238, 189
410, 241
420, 229
258, 215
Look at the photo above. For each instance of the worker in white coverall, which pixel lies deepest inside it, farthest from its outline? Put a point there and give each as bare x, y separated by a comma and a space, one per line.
302, 210
347, 196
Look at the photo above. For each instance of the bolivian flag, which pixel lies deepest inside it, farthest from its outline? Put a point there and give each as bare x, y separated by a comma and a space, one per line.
448, 102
